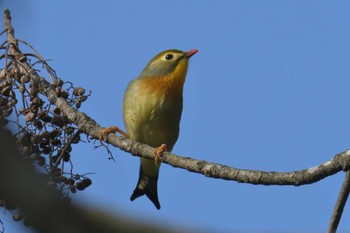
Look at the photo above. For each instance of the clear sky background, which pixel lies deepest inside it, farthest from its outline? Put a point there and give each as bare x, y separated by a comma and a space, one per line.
268, 90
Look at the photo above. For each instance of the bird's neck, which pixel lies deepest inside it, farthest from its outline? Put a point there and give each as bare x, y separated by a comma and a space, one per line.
168, 85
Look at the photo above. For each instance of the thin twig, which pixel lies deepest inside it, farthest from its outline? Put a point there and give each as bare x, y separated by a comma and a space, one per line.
3, 32
111, 157
65, 149
3, 44
340, 204
51, 71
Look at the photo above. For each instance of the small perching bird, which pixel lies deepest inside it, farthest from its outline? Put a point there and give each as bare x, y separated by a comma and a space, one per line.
152, 112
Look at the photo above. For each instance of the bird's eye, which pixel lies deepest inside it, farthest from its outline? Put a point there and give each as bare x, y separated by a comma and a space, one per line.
169, 56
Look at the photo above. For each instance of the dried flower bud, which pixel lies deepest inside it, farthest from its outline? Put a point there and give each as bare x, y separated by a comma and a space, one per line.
29, 116
87, 182
46, 150
72, 188
33, 91
58, 82
56, 120
69, 148
44, 117
66, 156
80, 186
65, 120
45, 134
36, 139
83, 98
44, 143
6, 90
38, 124
3, 101
78, 91
57, 111
36, 102
35, 149
64, 94
25, 78
56, 142
70, 130
54, 133
70, 181
76, 139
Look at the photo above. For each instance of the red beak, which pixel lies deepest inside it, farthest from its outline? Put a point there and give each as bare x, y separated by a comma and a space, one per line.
190, 53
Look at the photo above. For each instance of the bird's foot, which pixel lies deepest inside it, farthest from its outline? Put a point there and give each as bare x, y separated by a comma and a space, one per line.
158, 152
113, 129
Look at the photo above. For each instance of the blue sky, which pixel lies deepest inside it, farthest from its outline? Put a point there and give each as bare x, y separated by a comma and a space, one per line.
268, 90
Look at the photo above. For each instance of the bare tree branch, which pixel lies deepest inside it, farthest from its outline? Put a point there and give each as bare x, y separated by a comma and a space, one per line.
87, 125
340, 204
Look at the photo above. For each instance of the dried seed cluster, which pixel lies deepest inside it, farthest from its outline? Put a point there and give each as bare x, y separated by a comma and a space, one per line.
44, 133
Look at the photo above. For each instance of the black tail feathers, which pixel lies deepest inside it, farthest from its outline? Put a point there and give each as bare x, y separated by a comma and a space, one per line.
147, 185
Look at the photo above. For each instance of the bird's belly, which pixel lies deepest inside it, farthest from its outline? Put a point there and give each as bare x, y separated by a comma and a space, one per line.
153, 122
161, 130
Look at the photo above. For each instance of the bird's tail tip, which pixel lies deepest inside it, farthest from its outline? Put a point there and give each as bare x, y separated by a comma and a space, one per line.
153, 197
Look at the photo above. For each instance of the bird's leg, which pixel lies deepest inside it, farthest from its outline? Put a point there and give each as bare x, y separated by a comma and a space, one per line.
113, 129
158, 152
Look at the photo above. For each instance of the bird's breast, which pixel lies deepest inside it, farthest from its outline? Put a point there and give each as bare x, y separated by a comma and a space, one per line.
152, 111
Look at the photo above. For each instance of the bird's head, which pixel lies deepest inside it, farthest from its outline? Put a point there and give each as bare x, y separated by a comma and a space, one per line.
172, 62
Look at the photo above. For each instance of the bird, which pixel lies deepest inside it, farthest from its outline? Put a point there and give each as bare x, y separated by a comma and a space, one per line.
152, 108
